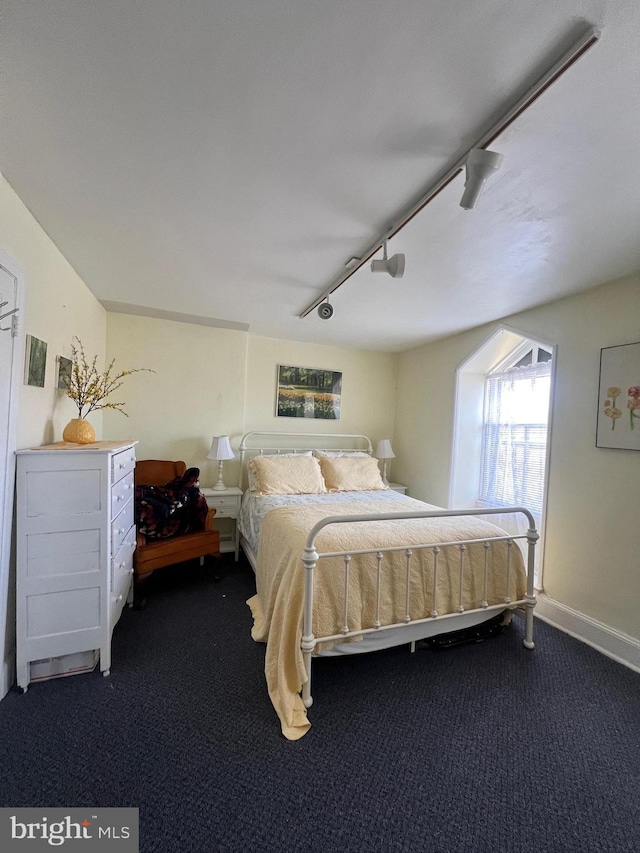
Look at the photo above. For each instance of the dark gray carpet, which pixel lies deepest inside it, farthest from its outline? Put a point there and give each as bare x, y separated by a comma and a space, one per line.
484, 747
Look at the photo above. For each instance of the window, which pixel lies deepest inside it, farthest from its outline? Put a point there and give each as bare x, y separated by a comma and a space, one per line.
514, 438
503, 392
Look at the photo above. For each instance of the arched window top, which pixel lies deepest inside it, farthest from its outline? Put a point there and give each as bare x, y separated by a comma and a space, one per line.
525, 355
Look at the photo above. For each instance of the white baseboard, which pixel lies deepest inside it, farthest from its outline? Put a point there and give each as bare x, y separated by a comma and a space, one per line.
612, 643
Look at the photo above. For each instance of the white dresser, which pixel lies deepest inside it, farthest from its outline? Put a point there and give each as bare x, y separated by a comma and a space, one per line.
75, 543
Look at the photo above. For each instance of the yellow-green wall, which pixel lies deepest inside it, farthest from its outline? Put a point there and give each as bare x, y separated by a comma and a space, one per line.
368, 387
211, 381
591, 560
57, 307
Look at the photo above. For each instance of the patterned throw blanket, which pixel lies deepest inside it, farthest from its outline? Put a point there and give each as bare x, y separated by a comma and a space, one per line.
175, 508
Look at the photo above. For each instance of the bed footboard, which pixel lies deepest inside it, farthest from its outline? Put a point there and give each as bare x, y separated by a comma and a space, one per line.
311, 557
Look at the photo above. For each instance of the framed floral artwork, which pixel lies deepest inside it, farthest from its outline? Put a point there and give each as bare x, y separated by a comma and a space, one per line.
619, 398
306, 392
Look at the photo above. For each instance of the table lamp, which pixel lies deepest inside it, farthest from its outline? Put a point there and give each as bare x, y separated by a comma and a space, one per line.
220, 450
384, 451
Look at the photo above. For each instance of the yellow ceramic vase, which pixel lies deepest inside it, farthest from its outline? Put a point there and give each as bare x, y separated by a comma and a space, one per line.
79, 431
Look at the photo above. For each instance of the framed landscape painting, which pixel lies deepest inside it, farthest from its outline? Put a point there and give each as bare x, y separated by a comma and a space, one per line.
306, 392
619, 398
64, 372
35, 362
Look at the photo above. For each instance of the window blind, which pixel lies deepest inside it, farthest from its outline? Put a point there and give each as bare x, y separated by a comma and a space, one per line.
515, 437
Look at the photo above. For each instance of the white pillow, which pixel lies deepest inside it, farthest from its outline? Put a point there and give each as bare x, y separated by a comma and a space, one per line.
287, 475
251, 477
351, 474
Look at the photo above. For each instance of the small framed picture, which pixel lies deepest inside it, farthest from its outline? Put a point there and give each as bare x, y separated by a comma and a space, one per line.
64, 372
35, 362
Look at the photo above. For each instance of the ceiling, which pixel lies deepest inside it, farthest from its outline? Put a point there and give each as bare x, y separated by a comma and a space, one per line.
220, 161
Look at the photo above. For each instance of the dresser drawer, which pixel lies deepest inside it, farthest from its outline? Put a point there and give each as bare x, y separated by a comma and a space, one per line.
122, 565
120, 526
122, 464
116, 605
121, 493
226, 507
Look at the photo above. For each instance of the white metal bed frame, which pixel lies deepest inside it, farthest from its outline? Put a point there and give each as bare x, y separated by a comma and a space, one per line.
450, 621
360, 443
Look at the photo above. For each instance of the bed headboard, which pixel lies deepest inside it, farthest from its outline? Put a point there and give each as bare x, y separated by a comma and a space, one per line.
258, 443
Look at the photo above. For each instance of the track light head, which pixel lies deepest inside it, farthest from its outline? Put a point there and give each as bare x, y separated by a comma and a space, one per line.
479, 165
325, 310
393, 266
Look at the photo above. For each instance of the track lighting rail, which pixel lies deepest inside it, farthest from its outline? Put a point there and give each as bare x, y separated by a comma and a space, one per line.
578, 49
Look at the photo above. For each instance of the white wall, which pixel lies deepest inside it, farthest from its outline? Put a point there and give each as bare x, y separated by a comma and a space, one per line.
591, 559
213, 381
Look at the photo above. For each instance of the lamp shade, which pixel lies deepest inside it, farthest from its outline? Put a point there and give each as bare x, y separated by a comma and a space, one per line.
221, 448
384, 450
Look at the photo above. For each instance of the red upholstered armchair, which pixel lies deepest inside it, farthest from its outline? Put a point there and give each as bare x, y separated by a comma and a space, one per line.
152, 554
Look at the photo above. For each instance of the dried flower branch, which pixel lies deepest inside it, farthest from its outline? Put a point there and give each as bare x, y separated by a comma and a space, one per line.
88, 387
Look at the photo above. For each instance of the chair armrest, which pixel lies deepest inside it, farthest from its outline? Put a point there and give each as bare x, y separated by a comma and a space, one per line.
208, 525
141, 539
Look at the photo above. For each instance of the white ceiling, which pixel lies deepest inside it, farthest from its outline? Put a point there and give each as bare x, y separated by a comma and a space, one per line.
221, 160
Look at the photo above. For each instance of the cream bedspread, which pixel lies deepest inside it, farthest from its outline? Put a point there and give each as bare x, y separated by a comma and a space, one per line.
277, 607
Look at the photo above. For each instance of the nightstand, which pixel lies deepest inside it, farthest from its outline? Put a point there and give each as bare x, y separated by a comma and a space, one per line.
227, 505
398, 487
